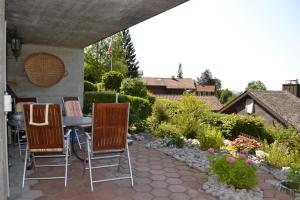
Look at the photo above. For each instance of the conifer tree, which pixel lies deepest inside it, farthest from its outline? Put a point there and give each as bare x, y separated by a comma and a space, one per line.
130, 55
180, 72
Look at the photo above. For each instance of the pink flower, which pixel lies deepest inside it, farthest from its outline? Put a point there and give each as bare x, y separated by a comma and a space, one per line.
242, 155
250, 162
230, 160
211, 150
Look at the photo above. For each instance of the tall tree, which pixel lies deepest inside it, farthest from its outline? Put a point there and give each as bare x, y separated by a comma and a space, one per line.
256, 85
206, 78
130, 55
180, 72
97, 59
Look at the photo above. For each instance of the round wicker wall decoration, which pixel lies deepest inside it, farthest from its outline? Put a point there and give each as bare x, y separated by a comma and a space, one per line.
44, 69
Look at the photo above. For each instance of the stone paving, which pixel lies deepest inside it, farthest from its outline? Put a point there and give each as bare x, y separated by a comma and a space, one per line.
156, 177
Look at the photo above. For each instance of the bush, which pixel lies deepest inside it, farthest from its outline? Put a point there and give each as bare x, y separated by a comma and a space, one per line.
278, 155
100, 86
245, 144
112, 80
166, 130
89, 86
210, 138
165, 110
239, 172
133, 87
233, 125
287, 136
140, 108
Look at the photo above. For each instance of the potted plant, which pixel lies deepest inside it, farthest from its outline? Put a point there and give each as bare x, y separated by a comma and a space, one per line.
292, 185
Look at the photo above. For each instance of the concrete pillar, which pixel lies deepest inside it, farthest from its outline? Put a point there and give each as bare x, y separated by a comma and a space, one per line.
3, 148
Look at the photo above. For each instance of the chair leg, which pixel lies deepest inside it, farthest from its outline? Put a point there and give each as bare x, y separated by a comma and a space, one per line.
119, 163
33, 161
66, 167
77, 138
19, 141
129, 164
90, 168
24, 170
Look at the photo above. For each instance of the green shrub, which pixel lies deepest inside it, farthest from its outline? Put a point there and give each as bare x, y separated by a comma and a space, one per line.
151, 98
89, 86
165, 110
209, 137
133, 87
100, 86
166, 130
278, 155
239, 172
233, 125
112, 80
140, 108
287, 136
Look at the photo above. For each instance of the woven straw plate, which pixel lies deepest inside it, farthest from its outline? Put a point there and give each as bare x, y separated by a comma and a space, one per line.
44, 69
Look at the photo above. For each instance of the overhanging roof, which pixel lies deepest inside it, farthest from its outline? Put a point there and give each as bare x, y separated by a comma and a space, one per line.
75, 23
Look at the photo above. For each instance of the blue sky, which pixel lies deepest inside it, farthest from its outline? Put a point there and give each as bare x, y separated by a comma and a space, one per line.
238, 40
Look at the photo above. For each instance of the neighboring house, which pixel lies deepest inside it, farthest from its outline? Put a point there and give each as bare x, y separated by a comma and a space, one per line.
274, 106
212, 101
175, 86
205, 90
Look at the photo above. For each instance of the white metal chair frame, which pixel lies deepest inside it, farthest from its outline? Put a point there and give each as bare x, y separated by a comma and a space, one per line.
91, 155
66, 154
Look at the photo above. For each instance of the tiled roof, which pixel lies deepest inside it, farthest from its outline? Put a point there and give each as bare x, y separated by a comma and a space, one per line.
212, 101
205, 88
177, 83
282, 104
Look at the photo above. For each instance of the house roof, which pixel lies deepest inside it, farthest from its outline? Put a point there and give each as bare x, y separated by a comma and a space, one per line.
205, 88
177, 83
282, 104
212, 101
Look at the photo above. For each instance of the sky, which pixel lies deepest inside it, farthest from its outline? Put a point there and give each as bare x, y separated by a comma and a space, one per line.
237, 40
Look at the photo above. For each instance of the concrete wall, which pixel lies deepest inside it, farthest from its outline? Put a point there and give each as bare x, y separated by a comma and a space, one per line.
71, 85
3, 147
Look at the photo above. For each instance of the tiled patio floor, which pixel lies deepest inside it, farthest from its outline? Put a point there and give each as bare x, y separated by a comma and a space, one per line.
156, 176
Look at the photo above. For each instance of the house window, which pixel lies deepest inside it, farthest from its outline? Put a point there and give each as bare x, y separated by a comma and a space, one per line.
249, 107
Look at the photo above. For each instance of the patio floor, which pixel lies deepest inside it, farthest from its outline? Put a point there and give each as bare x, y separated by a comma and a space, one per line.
156, 176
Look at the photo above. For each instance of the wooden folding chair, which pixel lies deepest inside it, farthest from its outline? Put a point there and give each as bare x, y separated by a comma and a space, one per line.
45, 137
109, 137
19, 102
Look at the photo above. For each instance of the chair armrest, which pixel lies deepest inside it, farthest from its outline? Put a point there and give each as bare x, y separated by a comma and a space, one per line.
88, 136
68, 133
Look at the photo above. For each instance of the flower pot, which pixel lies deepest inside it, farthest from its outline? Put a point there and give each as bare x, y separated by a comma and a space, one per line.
290, 187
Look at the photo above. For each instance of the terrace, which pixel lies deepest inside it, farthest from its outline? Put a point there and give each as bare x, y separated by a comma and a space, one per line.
64, 29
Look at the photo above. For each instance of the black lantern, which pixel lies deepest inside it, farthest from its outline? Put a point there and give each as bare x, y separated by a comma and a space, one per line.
16, 46
15, 42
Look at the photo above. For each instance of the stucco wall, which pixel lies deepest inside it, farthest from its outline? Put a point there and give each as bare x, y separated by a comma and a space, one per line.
71, 85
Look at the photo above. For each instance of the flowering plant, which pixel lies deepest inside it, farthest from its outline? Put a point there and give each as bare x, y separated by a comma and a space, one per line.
246, 145
236, 171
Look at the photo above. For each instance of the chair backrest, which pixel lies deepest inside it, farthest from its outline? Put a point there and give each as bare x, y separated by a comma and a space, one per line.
72, 107
44, 138
110, 126
21, 101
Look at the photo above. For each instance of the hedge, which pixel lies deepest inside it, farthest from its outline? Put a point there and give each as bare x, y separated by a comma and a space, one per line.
140, 108
89, 86
232, 125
